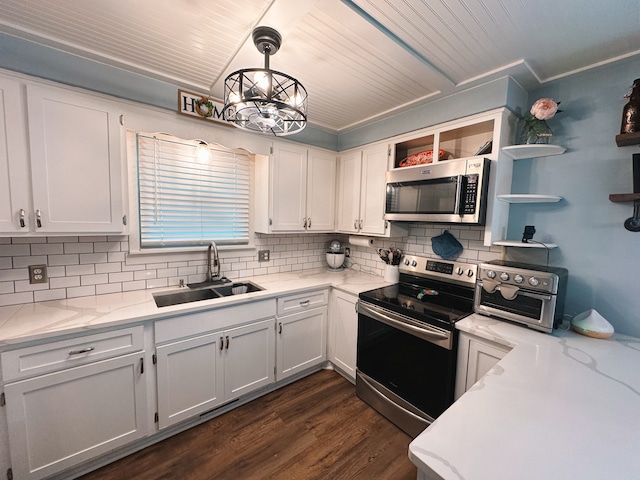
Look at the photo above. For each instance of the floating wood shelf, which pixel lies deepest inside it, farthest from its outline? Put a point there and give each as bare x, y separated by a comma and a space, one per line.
624, 197
626, 139
518, 152
515, 243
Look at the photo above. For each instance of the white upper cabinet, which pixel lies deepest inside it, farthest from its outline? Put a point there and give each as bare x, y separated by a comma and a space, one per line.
295, 190
60, 159
14, 167
361, 192
76, 167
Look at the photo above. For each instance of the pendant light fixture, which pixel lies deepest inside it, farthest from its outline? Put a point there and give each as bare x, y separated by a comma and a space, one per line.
263, 100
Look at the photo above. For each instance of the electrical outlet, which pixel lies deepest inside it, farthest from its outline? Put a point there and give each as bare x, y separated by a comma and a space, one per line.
347, 252
37, 274
263, 255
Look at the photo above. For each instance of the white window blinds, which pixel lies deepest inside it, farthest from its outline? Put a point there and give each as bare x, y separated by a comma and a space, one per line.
189, 201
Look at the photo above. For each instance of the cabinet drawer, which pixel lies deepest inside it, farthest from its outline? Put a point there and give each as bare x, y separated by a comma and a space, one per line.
192, 324
302, 301
49, 357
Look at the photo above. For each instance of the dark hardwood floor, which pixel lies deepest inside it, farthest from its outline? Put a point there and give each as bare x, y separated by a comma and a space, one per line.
315, 428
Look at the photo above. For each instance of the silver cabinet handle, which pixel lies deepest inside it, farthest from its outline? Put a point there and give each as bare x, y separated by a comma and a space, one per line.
280, 327
360, 225
304, 225
39, 218
22, 214
309, 222
80, 352
221, 343
355, 224
227, 345
304, 303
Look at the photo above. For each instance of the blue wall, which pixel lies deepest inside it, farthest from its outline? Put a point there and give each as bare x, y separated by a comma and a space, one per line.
602, 257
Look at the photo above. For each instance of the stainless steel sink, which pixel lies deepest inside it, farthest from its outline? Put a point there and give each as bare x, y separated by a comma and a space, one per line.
188, 296
237, 289
184, 296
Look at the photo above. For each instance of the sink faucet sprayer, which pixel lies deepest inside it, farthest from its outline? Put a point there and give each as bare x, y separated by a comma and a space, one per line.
216, 263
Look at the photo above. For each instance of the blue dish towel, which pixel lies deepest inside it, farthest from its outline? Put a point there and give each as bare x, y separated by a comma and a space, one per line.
446, 246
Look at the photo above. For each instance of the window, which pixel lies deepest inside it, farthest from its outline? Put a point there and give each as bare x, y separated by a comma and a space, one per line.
188, 199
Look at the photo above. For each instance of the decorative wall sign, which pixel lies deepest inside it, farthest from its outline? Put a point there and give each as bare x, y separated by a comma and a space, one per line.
199, 106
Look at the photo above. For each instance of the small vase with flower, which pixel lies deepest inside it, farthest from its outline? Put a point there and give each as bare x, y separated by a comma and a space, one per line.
535, 129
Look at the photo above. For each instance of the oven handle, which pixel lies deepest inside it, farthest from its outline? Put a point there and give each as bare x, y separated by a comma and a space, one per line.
394, 320
537, 296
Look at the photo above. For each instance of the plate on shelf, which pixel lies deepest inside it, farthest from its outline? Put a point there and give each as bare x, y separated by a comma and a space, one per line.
420, 158
529, 198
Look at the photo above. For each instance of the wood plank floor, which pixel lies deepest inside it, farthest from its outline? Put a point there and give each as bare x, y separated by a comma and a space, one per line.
315, 428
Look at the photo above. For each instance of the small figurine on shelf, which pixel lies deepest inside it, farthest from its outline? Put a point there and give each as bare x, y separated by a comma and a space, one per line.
535, 129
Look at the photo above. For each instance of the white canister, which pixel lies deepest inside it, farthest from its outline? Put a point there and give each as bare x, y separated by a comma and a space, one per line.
391, 273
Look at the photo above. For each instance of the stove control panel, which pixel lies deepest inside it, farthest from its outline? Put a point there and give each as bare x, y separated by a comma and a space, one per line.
533, 277
456, 272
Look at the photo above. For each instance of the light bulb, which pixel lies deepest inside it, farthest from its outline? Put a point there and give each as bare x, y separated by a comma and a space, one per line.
203, 154
234, 97
261, 79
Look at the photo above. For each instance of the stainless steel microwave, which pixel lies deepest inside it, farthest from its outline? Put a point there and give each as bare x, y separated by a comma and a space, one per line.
451, 191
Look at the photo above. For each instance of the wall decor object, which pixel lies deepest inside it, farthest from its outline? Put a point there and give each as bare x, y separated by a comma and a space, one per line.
199, 106
630, 126
535, 128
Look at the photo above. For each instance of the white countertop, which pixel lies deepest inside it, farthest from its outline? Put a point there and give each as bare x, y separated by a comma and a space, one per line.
558, 406
44, 320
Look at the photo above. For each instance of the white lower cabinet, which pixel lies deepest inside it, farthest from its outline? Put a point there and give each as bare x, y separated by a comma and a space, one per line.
343, 332
301, 334
60, 419
476, 356
198, 374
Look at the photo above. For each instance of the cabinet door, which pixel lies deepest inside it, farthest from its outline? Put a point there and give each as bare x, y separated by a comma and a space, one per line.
190, 377
482, 358
301, 341
350, 169
75, 162
249, 362
288, 188
372, 197
476, 357
321, 191
61, 419
15, 186
343, 332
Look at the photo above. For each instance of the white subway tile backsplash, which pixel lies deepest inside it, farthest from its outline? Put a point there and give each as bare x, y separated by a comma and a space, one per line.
80, 270
72, 259
94, 279
79, 266
23, 262
47, 249
81, 291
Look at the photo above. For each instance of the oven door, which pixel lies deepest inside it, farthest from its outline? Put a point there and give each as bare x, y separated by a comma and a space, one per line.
405, 371
534, 309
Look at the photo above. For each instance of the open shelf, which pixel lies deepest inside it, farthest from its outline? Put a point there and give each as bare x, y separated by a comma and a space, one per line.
518, 152
626, 139
516, 243
529, 198
624, 197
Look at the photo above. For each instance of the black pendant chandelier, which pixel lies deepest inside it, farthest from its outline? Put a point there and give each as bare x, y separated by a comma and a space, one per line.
263, 100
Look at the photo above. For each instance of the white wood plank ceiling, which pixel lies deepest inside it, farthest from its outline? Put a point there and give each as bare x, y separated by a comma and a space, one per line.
358, 59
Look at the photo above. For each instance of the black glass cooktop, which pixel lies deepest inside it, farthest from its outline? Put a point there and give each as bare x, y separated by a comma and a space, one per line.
429, 301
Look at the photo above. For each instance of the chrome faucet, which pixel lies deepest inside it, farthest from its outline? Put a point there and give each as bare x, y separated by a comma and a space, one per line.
214, 247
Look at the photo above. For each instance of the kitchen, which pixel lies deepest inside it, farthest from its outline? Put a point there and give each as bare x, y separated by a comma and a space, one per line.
599, 253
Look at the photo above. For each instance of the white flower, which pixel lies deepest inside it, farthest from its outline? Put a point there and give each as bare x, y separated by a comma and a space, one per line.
544, 109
